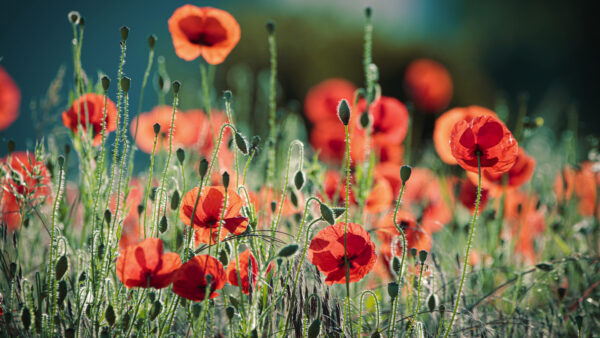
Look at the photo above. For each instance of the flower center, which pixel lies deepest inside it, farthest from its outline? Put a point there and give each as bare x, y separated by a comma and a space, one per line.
203, 31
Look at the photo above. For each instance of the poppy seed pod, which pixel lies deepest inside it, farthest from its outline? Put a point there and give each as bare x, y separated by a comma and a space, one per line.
203, 167
125, 84
105, 82
152, 41
124, 33
405, 172
156, 128
176, 86
270, 27
343, 110
180, 155
226, 180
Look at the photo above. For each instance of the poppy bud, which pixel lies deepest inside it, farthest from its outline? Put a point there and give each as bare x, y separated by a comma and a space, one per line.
175, 200
240, 142
561, 292
413, 252
368, 12
26, 318
203, 167
81, 21
299, 179
344, 112
365, 120
155, 310
162, 226
255, 141
125, 84
376, 334
393, 289
442, 309
579, 321
270, 27
10, 145
405, 172
62, 291
314, 329
61, 267
226, 180
327, 214
140, 209
337, 212
180, 155
152, 41
227, 95
74, 17
124, 33
294, 198
105, 82
61, 161
82, 277
230, 311
273, 206
176, 86
107, 216
545, 266
109, 315
422, 255
288, 250
196, 310
396, 264
431, 302
156, 128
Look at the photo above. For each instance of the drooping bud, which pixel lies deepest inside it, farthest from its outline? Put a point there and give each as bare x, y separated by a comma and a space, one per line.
241, 143
327, 214
343, 110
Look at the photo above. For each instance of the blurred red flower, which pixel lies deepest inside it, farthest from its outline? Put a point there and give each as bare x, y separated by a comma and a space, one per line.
130, 231
519, 174
429, 85
145, 265
468, 196
89, 110
232, 272
389, 120
190, 280
322, 99
24, 183
527, 222
208, 213
326, 252
487, 136
203, 31
445, 123
10, 99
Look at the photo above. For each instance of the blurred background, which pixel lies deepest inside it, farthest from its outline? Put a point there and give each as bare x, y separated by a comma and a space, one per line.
496, 52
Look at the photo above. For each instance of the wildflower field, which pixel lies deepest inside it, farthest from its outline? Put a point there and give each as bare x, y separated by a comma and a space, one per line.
356, 214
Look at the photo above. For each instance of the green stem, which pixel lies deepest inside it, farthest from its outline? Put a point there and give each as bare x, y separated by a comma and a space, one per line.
362, 295
392, 320
466, 262
347, 305
272, 108
414, 316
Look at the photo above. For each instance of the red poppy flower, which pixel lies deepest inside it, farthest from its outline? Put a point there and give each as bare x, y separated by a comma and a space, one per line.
380, 197
585, 189
232, 272
487, 136
516, 176
326, 252
322, 100
389, 120
564, 184
328, 137
203, 31
262, 204
429, 85
526, 221
335, 190
206, 141
416, 236
445, 123
392, 153
468, 196
391, 172
190, 280
24, 184
145, 265
130, 231
208, 213
89, 109
429, 199
10, 98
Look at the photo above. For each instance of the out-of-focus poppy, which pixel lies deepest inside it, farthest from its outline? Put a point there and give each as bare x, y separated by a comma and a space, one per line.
390, 153
190, 280
184, 132
391, 172
10, 99
24, 183
468, 196
322, 100
335, 190
585, 189
145, 265
203, 31
208, 213
232, 272
488, 137
564, 184
326, 252
429, 85
445, 123
516, 176
527, 221
89, 110
262, 204
389, 120
328, 137
207, 137
391, 240
130, 231
428, 199
380, 197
